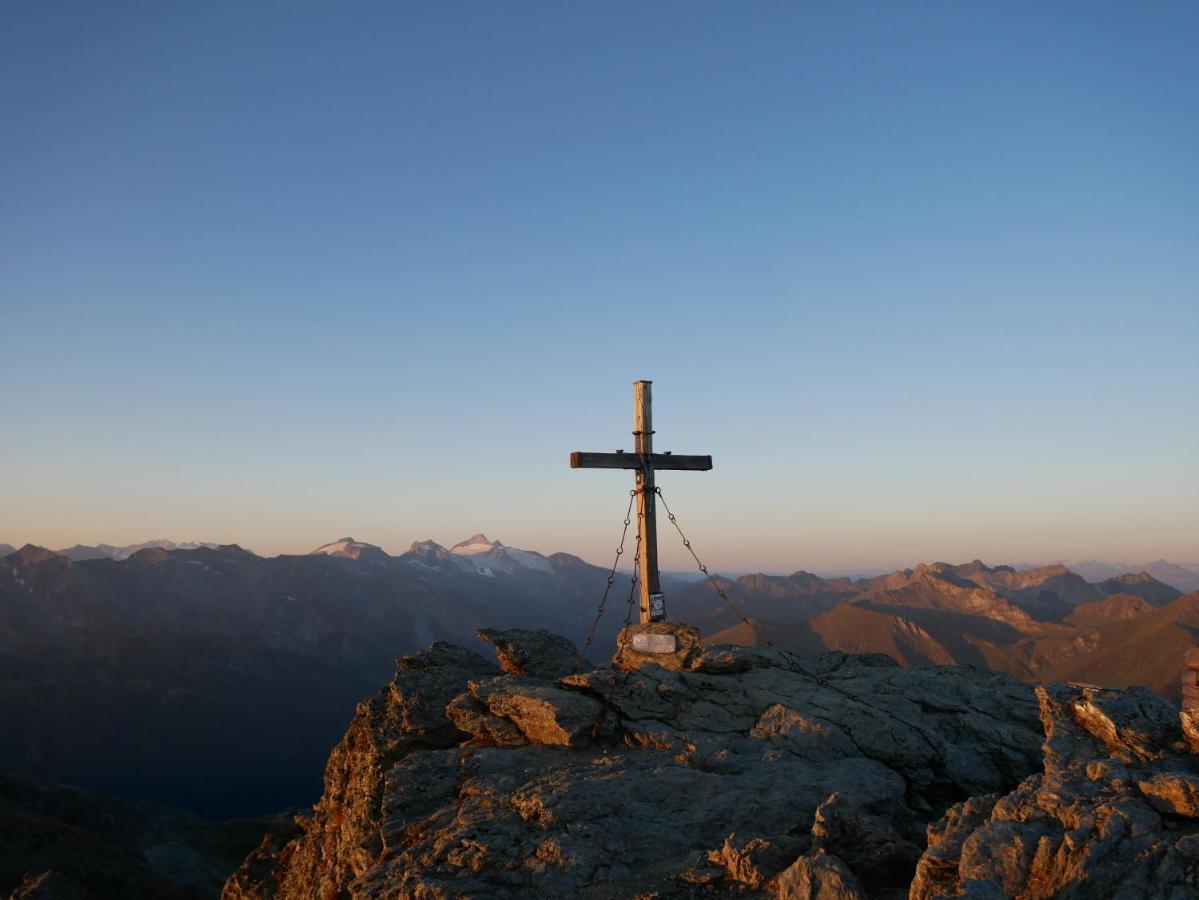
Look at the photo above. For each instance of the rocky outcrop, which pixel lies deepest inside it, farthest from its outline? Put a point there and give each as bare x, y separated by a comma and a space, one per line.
342, 837
541, 654
1113, 814
735, 773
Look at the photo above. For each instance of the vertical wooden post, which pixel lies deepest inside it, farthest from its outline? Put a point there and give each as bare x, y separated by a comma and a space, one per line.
653, 608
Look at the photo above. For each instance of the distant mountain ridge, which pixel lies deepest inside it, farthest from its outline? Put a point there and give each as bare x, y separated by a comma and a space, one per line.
1183, 577
81, 552
477, 554
199, 654
1042, 624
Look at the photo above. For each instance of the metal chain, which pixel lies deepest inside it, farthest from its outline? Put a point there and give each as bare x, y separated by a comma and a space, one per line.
785, 655
628, 615
599, 612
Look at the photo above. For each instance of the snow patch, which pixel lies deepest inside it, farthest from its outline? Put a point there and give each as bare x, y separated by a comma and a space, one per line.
347, 547
496, 557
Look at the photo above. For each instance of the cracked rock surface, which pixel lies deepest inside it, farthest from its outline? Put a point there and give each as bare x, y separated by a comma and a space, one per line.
1113, 814
737, 774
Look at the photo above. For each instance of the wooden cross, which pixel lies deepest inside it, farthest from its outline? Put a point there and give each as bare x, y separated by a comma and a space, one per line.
645, 461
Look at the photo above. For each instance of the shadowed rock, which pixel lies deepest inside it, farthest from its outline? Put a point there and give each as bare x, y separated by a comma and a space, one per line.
472, 716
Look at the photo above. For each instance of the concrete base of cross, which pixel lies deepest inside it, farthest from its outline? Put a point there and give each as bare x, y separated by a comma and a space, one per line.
667, 644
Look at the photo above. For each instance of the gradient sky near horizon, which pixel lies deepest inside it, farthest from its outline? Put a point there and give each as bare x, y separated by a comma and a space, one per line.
923, 278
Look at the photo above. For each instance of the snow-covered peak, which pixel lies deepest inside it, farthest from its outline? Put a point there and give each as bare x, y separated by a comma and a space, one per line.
477, 543
489, 557
426, 546
346, 547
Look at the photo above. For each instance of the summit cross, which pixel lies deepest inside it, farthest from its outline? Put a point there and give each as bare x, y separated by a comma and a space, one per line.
645, 462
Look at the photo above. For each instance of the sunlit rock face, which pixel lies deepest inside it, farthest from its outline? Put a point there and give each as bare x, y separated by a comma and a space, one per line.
734, 772
1113, 813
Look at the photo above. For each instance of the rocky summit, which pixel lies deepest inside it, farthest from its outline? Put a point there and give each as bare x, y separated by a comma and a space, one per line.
731, 773
721, 771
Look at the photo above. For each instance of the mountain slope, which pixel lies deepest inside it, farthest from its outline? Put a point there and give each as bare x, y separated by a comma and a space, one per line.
73, 843
173, 663
785, 599
1143, 585
859, 629
1146, 650
1115, 608
1039, 624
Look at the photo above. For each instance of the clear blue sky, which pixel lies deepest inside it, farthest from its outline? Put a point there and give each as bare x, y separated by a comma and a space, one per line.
923, 278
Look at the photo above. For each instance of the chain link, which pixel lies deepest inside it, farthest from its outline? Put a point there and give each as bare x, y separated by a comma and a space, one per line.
628, 615
599, 612
785, 655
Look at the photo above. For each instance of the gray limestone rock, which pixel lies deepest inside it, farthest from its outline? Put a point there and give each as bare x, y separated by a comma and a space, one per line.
544, 714
541, 654
475, 718
1111, 815
1176, 793
818, 876
1189, 719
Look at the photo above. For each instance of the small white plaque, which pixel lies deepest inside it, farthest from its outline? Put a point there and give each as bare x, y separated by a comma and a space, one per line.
657, 608
654, 643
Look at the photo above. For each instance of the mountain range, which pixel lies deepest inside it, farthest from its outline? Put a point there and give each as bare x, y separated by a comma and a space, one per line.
1041, 625
1183, 577
217, 680
81, 552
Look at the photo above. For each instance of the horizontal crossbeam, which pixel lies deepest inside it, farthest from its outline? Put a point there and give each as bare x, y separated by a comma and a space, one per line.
580, 459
